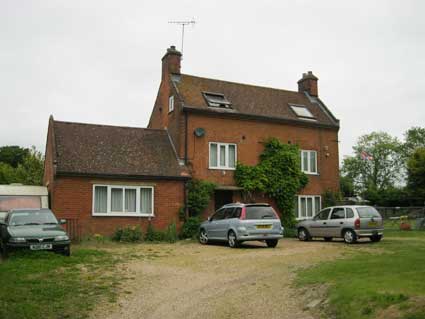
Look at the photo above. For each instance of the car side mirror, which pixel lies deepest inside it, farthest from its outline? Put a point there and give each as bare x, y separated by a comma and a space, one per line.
209, 218
62, 221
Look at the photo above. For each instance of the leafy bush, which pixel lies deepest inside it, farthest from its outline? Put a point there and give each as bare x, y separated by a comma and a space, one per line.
128, 234
190, 227
169, 235
330, 198
153, 235
199, 195
278, 175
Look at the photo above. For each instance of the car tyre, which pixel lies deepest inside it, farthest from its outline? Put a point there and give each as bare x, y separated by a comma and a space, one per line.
349, 236
328, 238
66, 251
203, 237
376, 238
272, 243
303, 234
232, 240
3, 250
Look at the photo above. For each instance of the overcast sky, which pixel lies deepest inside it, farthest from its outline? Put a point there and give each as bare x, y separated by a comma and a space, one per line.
99, 61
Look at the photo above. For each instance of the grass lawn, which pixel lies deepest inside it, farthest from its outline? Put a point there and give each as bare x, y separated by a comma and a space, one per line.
46, 285
382, 280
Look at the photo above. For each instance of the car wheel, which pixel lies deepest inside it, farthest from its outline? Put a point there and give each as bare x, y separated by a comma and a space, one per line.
376, 238
328, 238
303, 234
232, 240
4, 252
66, 251
272, 243
203, 237
350, 236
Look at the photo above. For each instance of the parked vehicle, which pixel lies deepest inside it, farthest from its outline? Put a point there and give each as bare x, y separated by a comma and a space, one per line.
347, 222
236, 223
34, 229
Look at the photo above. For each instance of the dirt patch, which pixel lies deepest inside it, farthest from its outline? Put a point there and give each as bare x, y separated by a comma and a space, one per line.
193, 281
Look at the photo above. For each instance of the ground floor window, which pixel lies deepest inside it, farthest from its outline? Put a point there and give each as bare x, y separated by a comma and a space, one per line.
117, 200
307, 205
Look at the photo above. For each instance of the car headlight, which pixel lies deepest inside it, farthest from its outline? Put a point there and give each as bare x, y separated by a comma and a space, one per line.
17, 240
61, 238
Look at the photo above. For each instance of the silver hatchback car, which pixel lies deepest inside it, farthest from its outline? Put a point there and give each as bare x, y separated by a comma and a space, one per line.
347, 222
236, 223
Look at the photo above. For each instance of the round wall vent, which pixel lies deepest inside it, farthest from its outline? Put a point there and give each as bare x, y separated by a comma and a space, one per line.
199, 132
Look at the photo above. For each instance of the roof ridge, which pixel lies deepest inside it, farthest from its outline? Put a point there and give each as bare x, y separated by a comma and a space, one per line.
110, 125
244, 84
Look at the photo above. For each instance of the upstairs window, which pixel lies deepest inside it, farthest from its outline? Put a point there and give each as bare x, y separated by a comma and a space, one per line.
309, 162
222, 156
302, 112
171, 104
217, 100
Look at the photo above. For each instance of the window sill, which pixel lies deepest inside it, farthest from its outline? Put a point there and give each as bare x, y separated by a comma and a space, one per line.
121, 215
314, 174
222, 168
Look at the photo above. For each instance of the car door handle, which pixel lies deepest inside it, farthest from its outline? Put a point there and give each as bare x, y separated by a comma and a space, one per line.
341, 223
324, 223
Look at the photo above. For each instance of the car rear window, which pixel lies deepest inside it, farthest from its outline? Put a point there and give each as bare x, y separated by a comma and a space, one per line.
367, 212
260, 212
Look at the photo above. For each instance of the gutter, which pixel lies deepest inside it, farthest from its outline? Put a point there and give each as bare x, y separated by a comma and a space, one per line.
123, 176
244, 116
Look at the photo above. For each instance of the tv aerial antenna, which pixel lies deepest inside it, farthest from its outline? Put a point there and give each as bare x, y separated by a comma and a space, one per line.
183, 24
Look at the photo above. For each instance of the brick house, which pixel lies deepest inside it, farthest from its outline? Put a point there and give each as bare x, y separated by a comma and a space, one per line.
104, 176
213, 124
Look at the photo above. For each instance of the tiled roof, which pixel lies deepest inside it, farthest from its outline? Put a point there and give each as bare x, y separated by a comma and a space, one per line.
103, 150
252, 100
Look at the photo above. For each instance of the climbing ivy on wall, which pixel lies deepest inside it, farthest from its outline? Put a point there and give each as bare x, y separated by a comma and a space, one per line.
278, 175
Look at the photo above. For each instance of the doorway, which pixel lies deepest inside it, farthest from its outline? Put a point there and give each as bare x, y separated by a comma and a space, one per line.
222, 197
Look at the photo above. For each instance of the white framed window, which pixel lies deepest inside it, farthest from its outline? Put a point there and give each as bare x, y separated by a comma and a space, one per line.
171, 104
307, 206
309, 162
222, 155
122, 200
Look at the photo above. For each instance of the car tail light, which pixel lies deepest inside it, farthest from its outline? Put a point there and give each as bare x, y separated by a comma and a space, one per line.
243, 213
357, 223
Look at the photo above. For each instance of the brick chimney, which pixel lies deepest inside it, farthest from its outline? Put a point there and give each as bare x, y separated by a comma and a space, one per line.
171, 62
308, 84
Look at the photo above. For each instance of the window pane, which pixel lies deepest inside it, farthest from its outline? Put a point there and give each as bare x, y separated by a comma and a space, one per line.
232, 156
313, 162
146, 200
297, 212
303, 207
213, 155
309, 207
316, 204
222, 155
305, 161
100, 199
116, 200
130, 200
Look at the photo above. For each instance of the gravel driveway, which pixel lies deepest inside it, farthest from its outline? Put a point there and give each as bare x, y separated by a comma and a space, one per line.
187, 280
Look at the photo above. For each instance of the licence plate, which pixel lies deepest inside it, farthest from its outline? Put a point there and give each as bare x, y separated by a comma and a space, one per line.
264, 226
41, 246
372, 224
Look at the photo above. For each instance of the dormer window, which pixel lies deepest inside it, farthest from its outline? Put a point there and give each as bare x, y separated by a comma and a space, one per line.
302, 112
217, 100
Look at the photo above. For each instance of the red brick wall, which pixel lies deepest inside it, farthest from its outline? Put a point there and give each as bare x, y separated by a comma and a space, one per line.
248, 135
73, 199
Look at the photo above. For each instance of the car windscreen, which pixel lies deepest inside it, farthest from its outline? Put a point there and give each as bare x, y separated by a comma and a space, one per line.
32, 218
368, 212
260, 212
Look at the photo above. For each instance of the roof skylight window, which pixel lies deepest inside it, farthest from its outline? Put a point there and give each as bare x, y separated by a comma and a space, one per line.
217, 100
302, 111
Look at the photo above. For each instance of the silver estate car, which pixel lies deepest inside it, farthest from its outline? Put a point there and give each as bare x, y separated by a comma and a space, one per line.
236, 223
347, 222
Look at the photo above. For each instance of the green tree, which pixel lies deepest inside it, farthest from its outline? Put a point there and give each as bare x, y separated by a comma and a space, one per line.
28, 172
414, 138
278, 175
383, 170
416, 174
346, 186
13, 155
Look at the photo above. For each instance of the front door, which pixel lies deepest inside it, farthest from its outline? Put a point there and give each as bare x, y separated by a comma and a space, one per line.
222, 197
